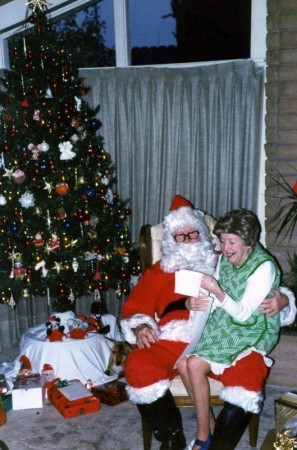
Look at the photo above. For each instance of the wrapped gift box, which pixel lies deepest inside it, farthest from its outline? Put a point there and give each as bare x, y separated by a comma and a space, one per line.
7, 401
27, 392
111, 393
72, 400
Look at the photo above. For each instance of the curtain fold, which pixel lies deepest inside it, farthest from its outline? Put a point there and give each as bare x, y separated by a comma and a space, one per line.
195, 131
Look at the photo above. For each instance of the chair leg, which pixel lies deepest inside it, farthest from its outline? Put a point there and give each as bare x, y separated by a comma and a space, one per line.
146, 435
253, 429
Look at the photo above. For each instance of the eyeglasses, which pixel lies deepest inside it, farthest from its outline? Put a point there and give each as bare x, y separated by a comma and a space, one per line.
192, 235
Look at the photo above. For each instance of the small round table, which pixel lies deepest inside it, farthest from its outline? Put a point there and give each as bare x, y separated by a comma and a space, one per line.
82, 359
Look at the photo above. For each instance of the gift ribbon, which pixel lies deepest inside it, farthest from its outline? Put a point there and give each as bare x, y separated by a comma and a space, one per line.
62, 383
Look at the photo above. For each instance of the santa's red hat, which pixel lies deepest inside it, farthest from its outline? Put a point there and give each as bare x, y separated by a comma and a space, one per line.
179, 201
52, 319
81, 318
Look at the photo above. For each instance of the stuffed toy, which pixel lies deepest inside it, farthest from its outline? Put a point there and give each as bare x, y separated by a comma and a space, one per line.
95, 325
26, 368
77, 327
54, 330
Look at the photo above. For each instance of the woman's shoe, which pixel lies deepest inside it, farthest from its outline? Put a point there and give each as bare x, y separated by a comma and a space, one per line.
202, 444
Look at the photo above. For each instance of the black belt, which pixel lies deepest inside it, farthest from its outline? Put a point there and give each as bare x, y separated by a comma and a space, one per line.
178, 305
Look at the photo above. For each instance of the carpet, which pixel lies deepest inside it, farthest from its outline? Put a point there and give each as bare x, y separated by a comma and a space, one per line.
112, 427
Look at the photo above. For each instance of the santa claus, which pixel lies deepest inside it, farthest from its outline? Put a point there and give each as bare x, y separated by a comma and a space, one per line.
160, 322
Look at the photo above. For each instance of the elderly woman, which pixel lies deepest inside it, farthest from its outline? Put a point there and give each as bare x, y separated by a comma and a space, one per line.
236, 335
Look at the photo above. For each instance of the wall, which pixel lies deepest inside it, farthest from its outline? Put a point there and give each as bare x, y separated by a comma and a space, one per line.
281, 117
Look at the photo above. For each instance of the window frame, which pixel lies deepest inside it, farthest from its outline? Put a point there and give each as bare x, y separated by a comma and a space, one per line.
13, 13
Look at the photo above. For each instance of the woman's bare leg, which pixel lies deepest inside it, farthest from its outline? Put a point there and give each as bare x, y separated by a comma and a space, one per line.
193, 372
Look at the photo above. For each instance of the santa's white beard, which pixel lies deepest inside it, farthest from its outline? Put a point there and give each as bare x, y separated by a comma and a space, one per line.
199, 257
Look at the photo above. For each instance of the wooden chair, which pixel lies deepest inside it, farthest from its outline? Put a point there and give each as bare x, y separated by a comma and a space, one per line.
150, 243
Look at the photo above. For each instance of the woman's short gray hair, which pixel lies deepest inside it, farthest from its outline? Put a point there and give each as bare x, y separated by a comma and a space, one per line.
241, 222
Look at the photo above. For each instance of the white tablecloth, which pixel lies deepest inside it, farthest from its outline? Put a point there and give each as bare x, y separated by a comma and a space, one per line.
81, 359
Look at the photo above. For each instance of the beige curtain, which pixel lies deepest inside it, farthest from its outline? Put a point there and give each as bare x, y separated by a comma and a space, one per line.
193, 131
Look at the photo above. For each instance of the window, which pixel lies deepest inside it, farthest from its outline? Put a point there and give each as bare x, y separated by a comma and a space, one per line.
181, 31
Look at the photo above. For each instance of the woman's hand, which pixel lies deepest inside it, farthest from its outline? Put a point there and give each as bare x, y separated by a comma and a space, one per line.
197, 303
210, 284
145, 336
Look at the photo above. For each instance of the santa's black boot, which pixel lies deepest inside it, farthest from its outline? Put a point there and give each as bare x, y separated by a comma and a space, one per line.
164, 418
230, 425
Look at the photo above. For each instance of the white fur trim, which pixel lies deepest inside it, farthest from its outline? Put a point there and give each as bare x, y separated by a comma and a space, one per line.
148, 394
177, 330
288, 314
218, 368
250, 401
133, 322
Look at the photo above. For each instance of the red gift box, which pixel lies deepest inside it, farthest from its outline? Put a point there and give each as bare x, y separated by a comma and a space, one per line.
111, 393
73, 400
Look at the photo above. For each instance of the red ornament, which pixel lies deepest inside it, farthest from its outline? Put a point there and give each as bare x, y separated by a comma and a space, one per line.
25, 103
62, 291
295, 188
6, 148
124, 275
31, 19
127, 212
62, 188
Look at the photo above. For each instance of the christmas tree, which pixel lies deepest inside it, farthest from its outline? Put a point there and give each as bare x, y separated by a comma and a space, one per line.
64, 229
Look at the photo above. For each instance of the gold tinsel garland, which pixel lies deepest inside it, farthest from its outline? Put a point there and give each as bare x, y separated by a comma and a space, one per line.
284, 441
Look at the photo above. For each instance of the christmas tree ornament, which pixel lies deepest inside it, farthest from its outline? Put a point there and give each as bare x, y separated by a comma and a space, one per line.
36, 115
93, 234
68, 225
27, 200
11, 302
25, 293
37, 211
18, 176
65, 149
62, 188
23, 148
44, 166
34, 151
76, 122
37, 4
105, 180
71, 296
8, 173
38, 241
90, 192
15, 228
48, 186
75, 265
74, 138
54, 242
43, 147
61, 212
25, 103
6, 147
95, 123
3, 200
41, 265
81, 180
